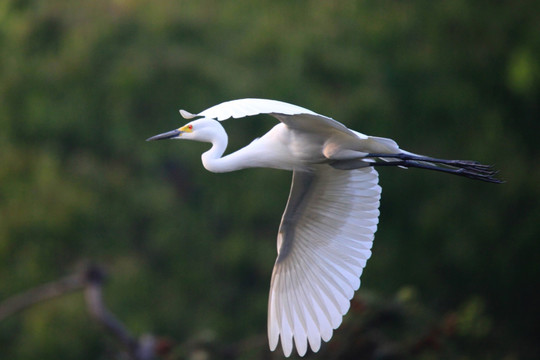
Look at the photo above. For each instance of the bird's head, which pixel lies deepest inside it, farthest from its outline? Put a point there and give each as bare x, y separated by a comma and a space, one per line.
206, 130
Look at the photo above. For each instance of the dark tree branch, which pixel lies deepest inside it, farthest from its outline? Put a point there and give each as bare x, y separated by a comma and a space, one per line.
143, 349
91, 280
40, 294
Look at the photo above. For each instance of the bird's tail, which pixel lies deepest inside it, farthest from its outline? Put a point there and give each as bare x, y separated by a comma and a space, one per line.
467, 168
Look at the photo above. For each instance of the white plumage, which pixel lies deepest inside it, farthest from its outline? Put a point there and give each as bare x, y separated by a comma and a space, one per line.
327, 229
248, 107
315, 276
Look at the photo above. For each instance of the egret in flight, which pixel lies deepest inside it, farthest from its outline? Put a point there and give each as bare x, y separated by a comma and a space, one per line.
327, 229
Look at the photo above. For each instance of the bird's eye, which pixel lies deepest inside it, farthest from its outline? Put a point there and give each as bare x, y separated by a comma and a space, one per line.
190, 127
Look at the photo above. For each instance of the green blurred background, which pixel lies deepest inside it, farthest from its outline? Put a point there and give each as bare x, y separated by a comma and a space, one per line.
190, 253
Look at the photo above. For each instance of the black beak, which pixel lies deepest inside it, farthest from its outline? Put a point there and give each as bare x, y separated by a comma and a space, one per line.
168, 135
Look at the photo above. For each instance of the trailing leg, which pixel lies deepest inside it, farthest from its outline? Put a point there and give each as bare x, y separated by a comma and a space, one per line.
466, 168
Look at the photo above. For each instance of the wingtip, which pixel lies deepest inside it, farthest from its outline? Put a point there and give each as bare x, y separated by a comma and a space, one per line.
186, 114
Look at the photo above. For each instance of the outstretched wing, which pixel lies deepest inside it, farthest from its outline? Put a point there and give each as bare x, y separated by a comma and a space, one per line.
292, 115
324, 241
248, 107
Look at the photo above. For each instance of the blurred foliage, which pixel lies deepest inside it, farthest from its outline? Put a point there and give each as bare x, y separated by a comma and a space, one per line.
82, 84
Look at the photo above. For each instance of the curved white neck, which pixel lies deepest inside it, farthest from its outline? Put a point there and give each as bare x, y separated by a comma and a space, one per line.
246, 157
213, 161
212, 158
255, 154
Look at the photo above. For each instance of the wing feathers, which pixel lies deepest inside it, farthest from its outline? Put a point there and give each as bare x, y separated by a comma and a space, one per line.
327, 245
295, 117
249, 107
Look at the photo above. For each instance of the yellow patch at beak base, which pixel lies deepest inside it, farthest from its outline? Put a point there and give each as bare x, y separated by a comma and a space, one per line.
186, 128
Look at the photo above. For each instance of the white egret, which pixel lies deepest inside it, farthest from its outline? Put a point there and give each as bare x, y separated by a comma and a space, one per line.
327, 229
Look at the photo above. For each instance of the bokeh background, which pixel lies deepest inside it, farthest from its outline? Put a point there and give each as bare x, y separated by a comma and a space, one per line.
455, 266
